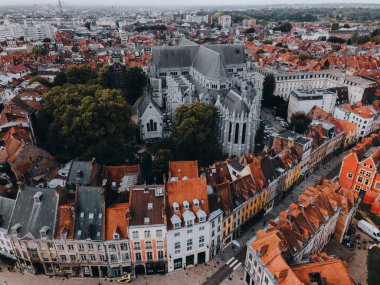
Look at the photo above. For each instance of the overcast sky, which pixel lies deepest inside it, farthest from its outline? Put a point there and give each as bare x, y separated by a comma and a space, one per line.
178, 2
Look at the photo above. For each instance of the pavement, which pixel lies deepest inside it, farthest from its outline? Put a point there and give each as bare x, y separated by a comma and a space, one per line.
229, 263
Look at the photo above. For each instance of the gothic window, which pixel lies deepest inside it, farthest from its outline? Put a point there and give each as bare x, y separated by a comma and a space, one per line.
237, 133
151, 126
243, 135
230, 131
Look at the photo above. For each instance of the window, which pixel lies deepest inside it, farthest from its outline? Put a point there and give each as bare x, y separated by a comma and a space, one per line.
177, 225
92, 257
70, 247
63, 257
177, 247
229, 132
138, 256
243, 134
189, 244
124, 246
160, 254
90, 247
189, 231
149, 256
135, 234
151, 126
250, 257
368, 174
83, 257
366, 182
60, 247
202, 219
357, 188
189, 223
201, 241
136, 245
73, 257
80, 247
177, 234
349, 175
148, 244
147, 234
364, 164
362, 171
360, 179
160, 244
102, 257
213, 224
236, 133
159, 233
201, 228
377, 185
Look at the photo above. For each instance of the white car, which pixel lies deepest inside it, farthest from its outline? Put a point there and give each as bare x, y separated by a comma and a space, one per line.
369, 229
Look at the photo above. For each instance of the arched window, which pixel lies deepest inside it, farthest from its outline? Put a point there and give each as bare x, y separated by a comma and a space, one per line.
155, 127
237, 133
229, 133
243, 135
151, 126
147, 127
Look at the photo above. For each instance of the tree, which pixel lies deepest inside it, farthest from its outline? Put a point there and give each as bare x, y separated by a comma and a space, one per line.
269, 85
376, 39
375, 33
334, 26
86, 121
250, 30
161, 163
299, 122
60, 79
136, 82
284, 27
41, 80
360, 40
333, 39
194, 133
80, 74
346, 26
146, 167
303, 55
87, 25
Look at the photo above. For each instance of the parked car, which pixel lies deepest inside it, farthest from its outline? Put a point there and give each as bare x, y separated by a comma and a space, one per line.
350, 245
369, 229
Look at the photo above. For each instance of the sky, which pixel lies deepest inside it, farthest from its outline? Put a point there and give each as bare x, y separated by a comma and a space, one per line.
178, 2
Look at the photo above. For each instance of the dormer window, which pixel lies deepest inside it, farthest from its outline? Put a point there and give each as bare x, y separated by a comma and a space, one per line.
116, 236
16, 228
177, 225
37, 197
175, 207
196, 202
186, 204
43, 232
80, 174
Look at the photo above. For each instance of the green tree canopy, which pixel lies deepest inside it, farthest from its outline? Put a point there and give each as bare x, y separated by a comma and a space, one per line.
86, 121
60, 79
334, 26
80, 74
161, 163
269, 85
136, 82
299, 122
194, 133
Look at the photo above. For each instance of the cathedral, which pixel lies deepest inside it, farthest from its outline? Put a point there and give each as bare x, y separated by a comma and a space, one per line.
213, 74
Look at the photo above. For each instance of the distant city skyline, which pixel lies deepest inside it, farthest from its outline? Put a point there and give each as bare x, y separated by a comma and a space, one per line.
180, 3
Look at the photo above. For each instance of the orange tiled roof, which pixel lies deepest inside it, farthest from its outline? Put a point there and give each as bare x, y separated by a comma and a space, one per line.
66, 221
181, 169
332, 271
116, 220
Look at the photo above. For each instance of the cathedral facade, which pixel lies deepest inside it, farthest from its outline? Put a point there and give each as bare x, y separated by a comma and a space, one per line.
213, 74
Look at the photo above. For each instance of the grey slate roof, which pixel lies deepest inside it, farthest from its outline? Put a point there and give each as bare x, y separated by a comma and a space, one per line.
233, 102
89, 213
144, 103
230, 53
186, 42
174, 56
6, 209
85, 168
32, 216
210, 64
